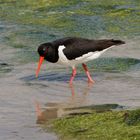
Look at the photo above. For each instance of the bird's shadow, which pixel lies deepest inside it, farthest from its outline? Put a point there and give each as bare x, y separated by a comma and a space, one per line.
60, 77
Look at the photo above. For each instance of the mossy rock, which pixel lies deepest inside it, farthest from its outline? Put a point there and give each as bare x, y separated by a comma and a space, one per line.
98, 126
132, 117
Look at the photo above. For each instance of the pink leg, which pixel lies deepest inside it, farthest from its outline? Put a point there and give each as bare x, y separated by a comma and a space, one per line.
88, 74
72, 90
38, 109
73, 75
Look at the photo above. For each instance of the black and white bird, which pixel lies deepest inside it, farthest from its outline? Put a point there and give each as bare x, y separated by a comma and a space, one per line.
71, 51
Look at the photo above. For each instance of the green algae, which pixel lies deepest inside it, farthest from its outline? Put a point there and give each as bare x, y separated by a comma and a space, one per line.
100, 126
76, 17
100, 122
132, 117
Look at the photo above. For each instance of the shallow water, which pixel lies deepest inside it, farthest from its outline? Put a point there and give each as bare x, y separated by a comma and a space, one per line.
116, 73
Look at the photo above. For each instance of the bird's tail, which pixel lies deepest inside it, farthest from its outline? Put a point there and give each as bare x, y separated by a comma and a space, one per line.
117, 42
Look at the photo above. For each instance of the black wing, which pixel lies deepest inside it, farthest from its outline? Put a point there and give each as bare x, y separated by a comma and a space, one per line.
76, 47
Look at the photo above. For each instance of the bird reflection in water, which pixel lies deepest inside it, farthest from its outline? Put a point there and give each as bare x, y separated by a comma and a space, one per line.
57, 110
80, 100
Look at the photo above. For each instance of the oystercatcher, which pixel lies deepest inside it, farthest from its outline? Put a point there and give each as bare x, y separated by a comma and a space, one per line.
71, 51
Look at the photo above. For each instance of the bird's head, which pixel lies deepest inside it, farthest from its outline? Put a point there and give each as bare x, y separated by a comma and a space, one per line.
42, 50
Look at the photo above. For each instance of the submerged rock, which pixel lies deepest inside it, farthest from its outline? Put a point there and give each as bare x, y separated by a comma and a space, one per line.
5, 67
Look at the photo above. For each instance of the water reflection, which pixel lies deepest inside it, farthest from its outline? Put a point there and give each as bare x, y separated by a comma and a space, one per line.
77, 100
74, 105
56, 110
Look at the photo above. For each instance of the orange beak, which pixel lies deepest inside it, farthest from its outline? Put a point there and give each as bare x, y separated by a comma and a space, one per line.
39, 65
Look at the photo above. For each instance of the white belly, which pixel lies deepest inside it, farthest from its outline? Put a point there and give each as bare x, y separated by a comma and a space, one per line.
82, 59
